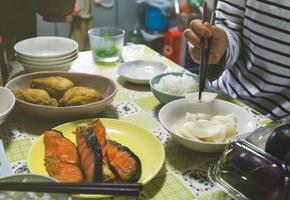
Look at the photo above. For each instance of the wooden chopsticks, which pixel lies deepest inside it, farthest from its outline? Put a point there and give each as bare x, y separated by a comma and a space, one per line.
124, 189
205, 52
203, 55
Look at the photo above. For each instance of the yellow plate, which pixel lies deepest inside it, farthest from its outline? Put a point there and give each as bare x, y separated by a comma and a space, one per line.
141, 141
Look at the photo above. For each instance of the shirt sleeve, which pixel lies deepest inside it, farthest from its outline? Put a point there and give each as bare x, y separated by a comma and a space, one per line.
230, 17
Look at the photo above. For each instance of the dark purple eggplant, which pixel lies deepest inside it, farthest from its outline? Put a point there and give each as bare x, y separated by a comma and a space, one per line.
123, 161
278, 143
254, 176
253, 172
286, 158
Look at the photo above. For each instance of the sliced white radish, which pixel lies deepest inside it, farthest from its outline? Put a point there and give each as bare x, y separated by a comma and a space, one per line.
220, 136
231, 130
192, 98
208, 129
182, 132
189, 126
202, 116
206, 97
226, 118
190, 117
203, 127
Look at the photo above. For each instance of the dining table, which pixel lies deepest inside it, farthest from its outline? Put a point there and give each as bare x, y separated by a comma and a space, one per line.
184, 172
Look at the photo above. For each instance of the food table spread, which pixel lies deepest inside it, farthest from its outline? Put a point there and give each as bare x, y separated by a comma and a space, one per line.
184, 173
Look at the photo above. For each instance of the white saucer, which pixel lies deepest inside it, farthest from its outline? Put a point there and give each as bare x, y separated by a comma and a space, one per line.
140, 71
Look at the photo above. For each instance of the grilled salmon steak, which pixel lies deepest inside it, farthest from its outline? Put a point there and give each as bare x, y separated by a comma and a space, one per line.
61, 158
91, 143
123, 161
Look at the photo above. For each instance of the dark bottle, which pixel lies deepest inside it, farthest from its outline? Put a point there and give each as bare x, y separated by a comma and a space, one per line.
3, 64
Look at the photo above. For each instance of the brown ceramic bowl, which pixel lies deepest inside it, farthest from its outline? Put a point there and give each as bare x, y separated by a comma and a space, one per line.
54, 10
104, 85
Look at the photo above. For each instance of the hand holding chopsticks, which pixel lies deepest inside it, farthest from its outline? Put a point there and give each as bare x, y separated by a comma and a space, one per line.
126, 189
205, 51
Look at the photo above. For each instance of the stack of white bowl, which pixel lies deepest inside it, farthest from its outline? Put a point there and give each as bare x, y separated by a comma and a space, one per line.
46, 53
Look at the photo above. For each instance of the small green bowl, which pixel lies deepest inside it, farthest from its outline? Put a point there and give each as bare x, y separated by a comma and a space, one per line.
165, 97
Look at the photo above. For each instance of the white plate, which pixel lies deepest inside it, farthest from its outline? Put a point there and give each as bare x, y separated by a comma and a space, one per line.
174, 112
53, 59
47, 63
140, 71
46, 47
36, 68
26, 195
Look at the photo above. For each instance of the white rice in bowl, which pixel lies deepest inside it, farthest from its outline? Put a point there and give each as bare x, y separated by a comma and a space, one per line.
177, 85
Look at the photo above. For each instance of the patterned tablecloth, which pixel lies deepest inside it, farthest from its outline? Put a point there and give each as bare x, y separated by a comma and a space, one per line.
184, 175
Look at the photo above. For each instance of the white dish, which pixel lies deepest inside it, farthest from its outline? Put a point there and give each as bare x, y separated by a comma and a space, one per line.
32, 195
46, 47
37, 68
7, 102
52, 59
47, 63
140, 71
174, 112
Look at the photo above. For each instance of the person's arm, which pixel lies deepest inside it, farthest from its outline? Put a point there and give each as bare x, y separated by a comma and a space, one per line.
70, 17
226, 36
230, 16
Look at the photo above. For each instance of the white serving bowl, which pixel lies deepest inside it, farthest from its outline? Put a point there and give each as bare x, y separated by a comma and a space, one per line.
24, 195
174, 113
7, 102
105, 86
140, 71
45, 47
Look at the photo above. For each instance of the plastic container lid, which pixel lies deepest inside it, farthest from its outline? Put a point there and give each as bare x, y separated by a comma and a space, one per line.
246, 171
